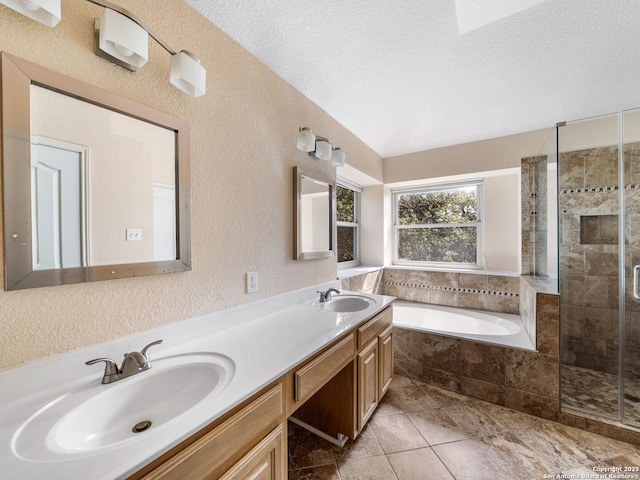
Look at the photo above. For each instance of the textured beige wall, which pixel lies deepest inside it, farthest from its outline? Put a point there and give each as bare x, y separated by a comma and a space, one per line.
242, 156
482, 156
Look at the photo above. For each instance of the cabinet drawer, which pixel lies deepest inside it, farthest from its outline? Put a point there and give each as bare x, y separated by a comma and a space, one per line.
308, 379
211, 455
374, 326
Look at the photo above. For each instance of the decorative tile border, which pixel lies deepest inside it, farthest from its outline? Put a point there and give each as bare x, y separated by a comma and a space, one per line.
451, 289
614, 188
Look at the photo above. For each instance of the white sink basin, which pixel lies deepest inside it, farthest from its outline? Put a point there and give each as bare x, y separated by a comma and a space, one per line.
96, 417
349, 303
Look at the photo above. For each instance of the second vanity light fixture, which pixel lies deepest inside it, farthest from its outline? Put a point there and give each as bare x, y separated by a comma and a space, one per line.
319, 147
122, 38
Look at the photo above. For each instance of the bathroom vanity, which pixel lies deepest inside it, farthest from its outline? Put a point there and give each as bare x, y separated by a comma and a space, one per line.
218, 396
335, 392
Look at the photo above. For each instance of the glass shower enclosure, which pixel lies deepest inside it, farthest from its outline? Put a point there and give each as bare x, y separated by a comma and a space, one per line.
599, 266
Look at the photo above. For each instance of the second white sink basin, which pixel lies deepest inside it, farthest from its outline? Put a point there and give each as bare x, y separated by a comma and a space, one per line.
100, 416
349, 303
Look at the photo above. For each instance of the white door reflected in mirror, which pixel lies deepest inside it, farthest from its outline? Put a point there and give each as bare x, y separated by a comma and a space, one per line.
99, 183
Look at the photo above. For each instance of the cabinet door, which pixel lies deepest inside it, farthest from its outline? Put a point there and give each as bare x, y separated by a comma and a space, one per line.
385, 344
368, 377
264, 462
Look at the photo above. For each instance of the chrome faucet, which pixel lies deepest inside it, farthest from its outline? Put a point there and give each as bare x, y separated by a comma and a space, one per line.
134, 362
326, 296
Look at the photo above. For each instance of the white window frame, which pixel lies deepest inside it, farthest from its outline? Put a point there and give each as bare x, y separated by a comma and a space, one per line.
356, 213
478, 183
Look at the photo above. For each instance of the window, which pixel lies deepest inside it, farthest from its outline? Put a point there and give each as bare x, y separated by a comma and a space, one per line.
439, 225
348, 224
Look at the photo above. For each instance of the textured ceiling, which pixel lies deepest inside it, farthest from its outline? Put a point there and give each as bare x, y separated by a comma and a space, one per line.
411, 75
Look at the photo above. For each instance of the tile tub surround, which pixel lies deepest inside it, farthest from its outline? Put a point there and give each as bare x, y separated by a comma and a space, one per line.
362, 279
478, 291
421, 431
519, 379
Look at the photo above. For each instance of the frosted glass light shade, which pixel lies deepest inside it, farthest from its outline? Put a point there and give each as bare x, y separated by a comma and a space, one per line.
124, 39
306, 140
323, 150
337, 158
188, 74
43, 11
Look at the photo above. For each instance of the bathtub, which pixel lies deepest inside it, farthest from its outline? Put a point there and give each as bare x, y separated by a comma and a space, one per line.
491, 327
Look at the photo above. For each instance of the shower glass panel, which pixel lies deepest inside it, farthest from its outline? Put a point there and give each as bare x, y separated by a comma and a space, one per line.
630, 328
589, 265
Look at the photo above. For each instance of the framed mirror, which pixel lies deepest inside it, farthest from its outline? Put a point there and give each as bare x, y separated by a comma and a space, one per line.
96, 186
314, 215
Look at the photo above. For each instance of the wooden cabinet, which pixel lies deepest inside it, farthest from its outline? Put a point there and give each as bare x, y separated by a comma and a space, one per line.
375, 363
266, 461
385, 347
368, 378
344, 401
231, 444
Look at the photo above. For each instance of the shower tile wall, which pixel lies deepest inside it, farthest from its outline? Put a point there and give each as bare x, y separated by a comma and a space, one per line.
534, 215
589, 255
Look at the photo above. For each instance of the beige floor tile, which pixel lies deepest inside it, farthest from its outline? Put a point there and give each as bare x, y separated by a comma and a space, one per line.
307, 449
467, 461
365, 445
592, 444
396, 433
419, 464
412, 399
325, 472
389, 405
470, 440
474, 419
437, 427
529, 453
373, 468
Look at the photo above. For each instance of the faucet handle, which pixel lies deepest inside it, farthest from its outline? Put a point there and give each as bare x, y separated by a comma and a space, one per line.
111, 371
144, 350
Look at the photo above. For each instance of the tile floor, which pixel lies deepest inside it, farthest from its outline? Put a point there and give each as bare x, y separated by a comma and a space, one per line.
422, 432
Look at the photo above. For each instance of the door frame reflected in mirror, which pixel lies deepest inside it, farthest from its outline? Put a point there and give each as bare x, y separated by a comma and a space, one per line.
17, 77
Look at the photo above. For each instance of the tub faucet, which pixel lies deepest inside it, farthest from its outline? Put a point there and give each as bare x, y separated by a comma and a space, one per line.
326, 296
134, 362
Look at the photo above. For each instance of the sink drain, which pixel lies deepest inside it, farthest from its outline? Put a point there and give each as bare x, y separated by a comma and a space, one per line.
141, 426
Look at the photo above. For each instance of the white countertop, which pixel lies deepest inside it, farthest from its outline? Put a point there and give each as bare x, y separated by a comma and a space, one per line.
264, 339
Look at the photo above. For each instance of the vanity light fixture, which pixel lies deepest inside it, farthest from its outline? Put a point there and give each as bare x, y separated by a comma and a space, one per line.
43, 11
323, 149
306, 140
123, 39
319, 147
337, 157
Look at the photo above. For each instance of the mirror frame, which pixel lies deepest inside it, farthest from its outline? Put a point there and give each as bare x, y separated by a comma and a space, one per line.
17, 77
298, 254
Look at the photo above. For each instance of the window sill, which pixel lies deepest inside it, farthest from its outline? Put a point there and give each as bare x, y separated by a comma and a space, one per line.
352, 272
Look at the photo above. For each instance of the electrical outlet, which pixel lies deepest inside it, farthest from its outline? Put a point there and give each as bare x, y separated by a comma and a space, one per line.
252, 282
134, 234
